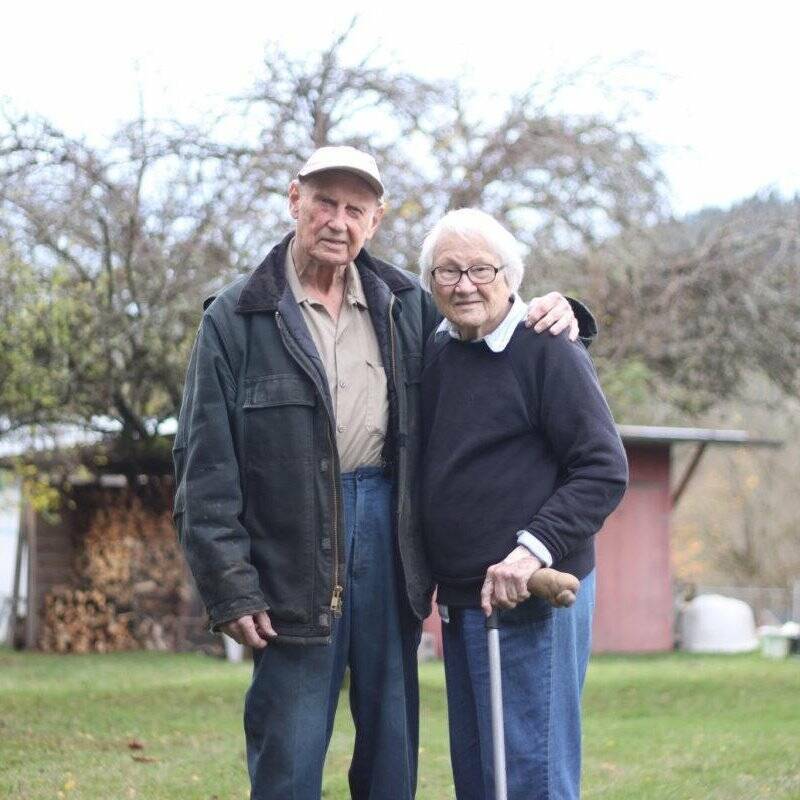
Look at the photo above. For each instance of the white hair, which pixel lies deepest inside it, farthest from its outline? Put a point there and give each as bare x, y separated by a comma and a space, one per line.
473, 222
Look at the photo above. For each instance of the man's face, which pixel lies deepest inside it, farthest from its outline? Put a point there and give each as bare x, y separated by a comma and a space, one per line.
475, 309
336, 214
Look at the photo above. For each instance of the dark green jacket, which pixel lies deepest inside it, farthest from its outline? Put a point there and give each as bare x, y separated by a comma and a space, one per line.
257, 506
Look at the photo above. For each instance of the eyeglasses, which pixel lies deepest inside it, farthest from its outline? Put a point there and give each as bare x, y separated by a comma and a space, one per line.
478, 274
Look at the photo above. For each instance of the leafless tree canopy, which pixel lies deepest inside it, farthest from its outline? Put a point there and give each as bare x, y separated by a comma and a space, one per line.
107, 248
698, 308
109, 251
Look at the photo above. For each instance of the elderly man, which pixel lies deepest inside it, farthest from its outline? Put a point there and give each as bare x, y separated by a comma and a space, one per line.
522, 463
296, 501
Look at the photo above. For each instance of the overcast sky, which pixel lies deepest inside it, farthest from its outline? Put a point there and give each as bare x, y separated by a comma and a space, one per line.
725, 112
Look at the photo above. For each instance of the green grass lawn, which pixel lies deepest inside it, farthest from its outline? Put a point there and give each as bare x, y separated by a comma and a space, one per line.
673, 726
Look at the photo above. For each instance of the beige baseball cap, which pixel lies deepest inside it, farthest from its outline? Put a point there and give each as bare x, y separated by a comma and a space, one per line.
345, 158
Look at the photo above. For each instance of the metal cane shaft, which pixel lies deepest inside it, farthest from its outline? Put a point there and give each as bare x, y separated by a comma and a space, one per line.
496, 697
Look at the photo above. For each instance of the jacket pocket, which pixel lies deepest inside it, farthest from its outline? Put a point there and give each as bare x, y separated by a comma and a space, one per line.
273, 391
278, 417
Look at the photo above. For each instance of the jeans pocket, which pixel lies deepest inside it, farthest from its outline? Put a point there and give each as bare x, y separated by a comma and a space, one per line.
534, 609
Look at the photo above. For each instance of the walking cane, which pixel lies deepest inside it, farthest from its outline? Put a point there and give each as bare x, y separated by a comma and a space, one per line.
496, 696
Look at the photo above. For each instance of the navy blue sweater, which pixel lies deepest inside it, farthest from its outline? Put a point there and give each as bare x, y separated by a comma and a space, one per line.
521, 439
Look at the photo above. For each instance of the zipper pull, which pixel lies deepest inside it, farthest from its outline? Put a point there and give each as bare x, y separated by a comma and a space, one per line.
336, 601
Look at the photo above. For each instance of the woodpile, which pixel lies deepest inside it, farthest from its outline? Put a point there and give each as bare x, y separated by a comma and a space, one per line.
78, 621
130, 586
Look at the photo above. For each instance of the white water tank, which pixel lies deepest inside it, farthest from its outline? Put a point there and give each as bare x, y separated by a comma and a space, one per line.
711, 623
234, 651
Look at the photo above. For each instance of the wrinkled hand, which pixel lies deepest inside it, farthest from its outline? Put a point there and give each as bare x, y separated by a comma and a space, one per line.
254, 630
552, 312
558, 588
506, 583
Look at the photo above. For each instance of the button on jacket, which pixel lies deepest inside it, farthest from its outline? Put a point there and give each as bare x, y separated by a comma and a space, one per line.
258, 506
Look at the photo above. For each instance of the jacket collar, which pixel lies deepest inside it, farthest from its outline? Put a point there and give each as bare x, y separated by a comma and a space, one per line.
267, 284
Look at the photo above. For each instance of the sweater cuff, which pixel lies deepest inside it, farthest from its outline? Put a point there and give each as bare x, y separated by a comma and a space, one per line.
528, 540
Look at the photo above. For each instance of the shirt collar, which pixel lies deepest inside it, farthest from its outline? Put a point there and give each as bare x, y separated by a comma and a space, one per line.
498, 339
354, 291
292, 278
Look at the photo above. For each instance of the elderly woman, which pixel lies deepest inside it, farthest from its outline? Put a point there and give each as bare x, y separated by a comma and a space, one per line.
522, 465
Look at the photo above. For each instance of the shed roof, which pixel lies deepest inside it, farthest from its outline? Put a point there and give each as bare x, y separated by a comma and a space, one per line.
648, 434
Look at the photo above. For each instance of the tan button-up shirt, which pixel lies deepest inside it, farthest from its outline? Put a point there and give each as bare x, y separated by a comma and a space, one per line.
350, 354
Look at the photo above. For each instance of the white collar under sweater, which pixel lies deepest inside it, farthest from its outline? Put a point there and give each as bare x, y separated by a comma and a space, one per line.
498, 339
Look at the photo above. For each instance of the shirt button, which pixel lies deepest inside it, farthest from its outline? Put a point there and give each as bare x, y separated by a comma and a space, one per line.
341, 428
342, 385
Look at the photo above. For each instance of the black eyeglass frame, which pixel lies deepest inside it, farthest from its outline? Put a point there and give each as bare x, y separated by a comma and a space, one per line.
467, 271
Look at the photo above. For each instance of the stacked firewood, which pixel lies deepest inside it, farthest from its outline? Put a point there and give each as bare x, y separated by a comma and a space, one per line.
78, 621
132, 582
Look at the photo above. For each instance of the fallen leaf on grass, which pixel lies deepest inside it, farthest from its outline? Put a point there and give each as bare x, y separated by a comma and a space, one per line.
135, 744
144, 759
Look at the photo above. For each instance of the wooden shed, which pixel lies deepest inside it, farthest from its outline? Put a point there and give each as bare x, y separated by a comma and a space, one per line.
133, 574
51, 556
634, 609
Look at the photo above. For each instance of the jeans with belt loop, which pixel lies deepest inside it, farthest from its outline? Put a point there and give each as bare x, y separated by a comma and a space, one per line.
291, 703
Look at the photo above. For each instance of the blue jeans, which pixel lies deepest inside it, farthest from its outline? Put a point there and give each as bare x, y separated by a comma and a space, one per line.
544, 654
291, 703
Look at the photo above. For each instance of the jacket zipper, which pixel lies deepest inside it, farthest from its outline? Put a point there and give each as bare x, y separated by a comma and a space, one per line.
336, 600
338, 590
